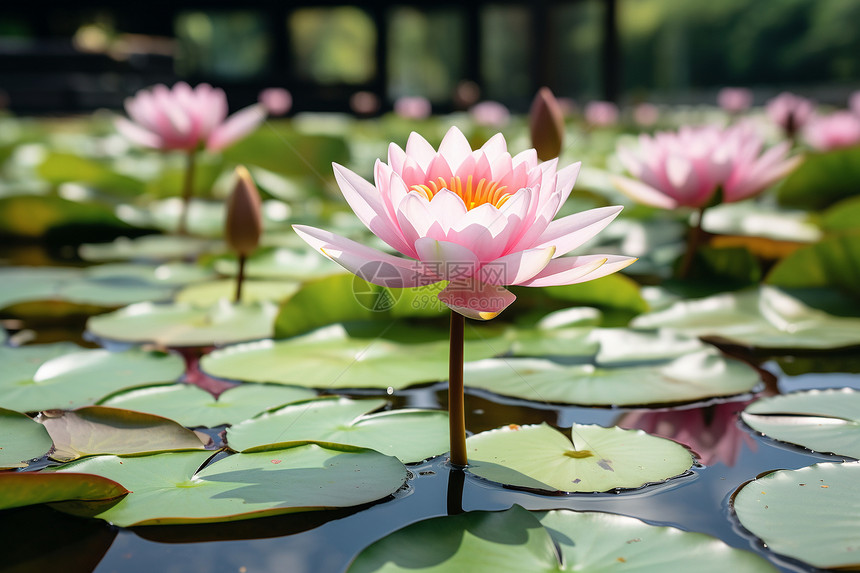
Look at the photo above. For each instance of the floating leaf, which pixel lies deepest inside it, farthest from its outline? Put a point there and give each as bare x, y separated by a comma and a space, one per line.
149, 247
611, 292
184, 325
209, 293
169, 488
409, 435
192, 406
822, 179
697, 375
58, 168
282, 263
64, 376
329, 359
95, 430
599, 459
765, 318
33, 216
18, 489
168, 274
844, 216
576, 341
809, 514
21, 440
820, 420
754, 219
285, 151
833, 262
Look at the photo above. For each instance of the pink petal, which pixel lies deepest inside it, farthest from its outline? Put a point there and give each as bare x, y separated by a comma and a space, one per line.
516, 267
495, 147
445, 259
447, 208
477, 300
566, 180
455, 148
415, 219
572, 270
136, 133
236, 127
644, 194
373, 266
439, 168
167, 102
569, 232
396, 157
419, 151
213, 102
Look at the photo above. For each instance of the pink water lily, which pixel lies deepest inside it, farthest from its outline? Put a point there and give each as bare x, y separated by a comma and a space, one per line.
479, 219
835, 131
186, 118
687, 167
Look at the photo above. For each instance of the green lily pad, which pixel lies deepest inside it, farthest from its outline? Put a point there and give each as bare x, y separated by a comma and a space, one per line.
823, 179
149, 247
170, 488
167, 274
809, 514
21, 440
209, 293
753, 219
833, 262
517, 540
94, 430
281, 263
33, 216
702, 374
764, 318
410, 435
328, 358
844, 216
192, 406
184, 325
575, 341
58, 168
599, 459
18, 489
65, 376
820, 420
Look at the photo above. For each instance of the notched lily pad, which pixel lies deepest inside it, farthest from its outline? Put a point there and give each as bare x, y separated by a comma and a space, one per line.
811, 514
410, 435
28, 488
179, 324
95, 430
820, 420
209, 293
21, 440
169, 488
598, 459
192, 406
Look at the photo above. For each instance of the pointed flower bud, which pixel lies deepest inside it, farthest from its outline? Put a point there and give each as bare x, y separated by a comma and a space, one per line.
244, 223
546, 122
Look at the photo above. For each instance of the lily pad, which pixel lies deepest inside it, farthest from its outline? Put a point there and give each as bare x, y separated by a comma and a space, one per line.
833, 262
695, 376
753, 219
18, 489
599, 459
33, 216
763, 318
170, 488
149, 248
823, 179
410, 435
21, 440
282, 263
192, 406
575, 341
184, 325
65, 376
820, 420
809, 514
328, 358
94, 430
167, 274
209, 293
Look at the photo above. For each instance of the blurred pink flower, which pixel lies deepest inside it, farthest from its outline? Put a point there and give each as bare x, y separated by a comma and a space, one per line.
854, 102
490, 114
364, 103
601, 113
790, 112
185, 118
478, 219
687, 167
834, 131
277, 101
735, 100
646, 114
413, 107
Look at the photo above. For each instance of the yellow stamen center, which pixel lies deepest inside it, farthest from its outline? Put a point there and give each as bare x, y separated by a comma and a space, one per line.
472, 194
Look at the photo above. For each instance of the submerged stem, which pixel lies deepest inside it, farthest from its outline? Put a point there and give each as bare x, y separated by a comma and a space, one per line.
456, 407
240, 278
694, 239
187, 191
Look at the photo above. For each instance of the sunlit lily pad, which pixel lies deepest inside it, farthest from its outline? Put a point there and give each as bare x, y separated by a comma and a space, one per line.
516, 540
94, 430
329, 358
18, 489
282, 263
753, 219
209, 293
192, 406
809, 514
820, 420
170, 488
149, 247
21, 440
64, 376
702, 374
168, 274
33, 216
574, 341
184, 325
599, 459
833, 262
765, 318
409, 435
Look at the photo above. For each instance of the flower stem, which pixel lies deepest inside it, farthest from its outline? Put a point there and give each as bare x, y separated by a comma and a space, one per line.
240, 278
456, 481
456, 406
187, 191
694, 239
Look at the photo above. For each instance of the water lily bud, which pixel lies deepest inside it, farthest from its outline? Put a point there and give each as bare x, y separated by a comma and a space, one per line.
244, 222
546, 122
